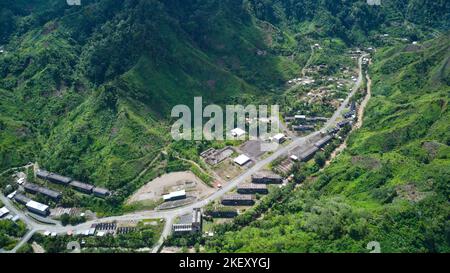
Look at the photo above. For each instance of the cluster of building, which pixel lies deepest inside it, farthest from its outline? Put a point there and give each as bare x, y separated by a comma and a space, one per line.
77, 185
244, 159
31, 188
34, 189
31, 205
302, 81
6, 215
304, 122
245, 192
189, 223
352, 113
214, 157
309, 153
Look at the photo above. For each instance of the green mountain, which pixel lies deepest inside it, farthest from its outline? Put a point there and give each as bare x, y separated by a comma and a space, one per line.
391, 184
87, 90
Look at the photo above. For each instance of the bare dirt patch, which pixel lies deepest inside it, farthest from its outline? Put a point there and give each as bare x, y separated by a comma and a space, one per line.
227, 169
154, 189
366, 162
410, 193
37, 248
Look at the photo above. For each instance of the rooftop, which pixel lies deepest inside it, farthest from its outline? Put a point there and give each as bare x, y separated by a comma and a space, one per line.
3, 211
266, 174
279, 136
241, 160
80, 185
237, 197
42, 190
252, 186
237, 132
101, 191
42, 173
323, 141
37, 205
174, 194
60, 178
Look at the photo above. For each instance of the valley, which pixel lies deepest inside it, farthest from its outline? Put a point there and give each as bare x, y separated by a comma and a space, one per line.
361, 154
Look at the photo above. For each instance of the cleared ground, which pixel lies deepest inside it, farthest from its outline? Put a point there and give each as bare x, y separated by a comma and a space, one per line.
155, 189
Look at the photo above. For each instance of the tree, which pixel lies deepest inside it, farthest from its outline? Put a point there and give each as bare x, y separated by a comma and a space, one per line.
65, 219
320, 159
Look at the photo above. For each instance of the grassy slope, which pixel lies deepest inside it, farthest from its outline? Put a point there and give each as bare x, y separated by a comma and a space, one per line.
106, 132
404, 141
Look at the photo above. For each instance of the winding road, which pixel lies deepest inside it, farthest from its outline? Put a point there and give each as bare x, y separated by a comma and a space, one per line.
170, 215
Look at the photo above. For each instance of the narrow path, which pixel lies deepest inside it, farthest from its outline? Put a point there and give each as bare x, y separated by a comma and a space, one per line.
358, 124
308, 62
361, 109
146, 168
213, 176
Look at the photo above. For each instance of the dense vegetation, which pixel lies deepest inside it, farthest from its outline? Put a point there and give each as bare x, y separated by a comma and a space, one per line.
10, 232
391, 184
87, 91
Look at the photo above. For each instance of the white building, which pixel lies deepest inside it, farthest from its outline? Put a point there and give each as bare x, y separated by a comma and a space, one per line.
3, 211
242, 160
237, 132
176, 195
279, 138
37, 208
11, 195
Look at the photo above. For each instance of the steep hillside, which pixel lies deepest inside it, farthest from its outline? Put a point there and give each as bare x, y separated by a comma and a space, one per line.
391, 184
87, 90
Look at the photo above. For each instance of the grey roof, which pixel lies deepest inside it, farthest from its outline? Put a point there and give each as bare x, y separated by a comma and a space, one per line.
60, 178
31, 186
42, 190
252, 186
316, 119
323, 141
42, 173
237, 197
101, 191
302, 127
308, 152
197, 215
80, 185
343, 123
266, 174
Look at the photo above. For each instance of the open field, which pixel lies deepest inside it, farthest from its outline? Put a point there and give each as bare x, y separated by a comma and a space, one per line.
153, 190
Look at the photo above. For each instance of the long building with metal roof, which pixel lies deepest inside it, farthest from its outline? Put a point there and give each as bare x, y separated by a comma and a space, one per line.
33, 188
252, 188
83, 187
238, 200
324, 141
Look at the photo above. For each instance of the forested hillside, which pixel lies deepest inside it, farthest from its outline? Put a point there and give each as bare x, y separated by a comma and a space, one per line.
390, 185
87, 90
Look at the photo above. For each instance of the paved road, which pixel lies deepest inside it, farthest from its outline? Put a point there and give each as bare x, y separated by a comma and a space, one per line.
171, 215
